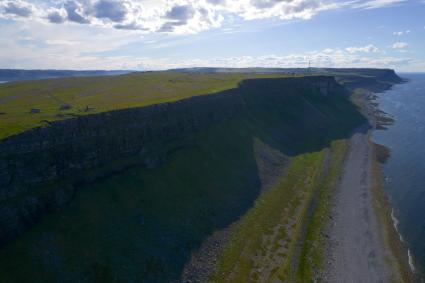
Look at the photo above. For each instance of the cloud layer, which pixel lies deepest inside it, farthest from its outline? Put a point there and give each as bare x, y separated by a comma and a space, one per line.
399, 45
173, 16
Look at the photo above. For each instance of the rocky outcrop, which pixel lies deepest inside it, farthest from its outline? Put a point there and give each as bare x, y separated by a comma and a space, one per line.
41, 169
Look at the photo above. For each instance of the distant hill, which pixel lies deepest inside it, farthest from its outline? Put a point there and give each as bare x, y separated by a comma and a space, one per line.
10, 75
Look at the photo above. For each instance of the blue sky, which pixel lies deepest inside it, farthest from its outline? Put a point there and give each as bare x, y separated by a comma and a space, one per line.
162, 34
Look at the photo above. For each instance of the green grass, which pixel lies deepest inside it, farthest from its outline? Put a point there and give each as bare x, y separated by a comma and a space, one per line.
248, 257
102, 94
273, 208
312, 254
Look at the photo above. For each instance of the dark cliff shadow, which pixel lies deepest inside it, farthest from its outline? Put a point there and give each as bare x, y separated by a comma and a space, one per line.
141, 225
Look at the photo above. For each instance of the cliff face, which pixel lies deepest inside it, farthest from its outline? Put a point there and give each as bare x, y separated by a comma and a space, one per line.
41, 169
376, 80
68, 148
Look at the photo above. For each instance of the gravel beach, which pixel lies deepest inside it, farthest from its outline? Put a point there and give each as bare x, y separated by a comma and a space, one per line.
357, 251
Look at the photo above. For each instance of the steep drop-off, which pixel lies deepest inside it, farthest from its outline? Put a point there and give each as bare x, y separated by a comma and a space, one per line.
129, 194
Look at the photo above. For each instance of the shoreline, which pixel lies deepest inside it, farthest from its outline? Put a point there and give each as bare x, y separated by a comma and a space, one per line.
364, 245
364, 248
390, 236
387, 222
385, 258
411, 260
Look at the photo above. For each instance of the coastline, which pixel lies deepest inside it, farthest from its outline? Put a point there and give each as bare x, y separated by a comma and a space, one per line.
377, 254
390, 234
364, 245
399, 258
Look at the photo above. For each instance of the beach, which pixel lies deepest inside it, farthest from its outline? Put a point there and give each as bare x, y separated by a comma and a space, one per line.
361, 248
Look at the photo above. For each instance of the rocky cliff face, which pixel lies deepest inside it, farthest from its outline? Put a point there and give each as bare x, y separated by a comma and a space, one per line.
41, 169
376, 80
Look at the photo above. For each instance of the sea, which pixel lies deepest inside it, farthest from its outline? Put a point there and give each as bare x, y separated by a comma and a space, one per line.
405, 170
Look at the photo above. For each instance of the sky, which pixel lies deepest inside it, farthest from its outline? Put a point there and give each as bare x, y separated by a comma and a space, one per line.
164, 34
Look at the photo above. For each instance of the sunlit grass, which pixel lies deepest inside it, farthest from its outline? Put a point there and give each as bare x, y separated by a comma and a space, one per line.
100, 94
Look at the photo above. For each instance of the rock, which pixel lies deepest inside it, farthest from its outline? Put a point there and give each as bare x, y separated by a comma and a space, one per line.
65, 106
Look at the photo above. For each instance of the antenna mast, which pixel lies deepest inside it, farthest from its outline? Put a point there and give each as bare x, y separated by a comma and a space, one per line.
309, 67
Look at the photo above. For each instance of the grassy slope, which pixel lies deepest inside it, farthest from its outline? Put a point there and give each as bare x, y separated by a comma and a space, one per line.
102, 94
311, 257
268, 244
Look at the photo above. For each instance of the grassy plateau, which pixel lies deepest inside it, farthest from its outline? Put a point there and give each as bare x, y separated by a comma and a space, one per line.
101, 94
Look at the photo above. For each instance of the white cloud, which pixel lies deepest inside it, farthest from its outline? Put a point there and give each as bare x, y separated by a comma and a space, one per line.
324, 58
57, 36
63, 54
374, 4
399, 33
399, 45
175, 16
61, 42
17, 8
367, 49
68, 46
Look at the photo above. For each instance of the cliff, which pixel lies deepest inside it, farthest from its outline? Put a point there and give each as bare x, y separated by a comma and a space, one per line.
139, 189
376, 80
41, 168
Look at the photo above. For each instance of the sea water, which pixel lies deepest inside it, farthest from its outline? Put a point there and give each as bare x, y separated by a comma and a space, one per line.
405, 169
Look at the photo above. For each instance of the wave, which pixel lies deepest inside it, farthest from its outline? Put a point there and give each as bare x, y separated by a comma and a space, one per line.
396, 222
411, 262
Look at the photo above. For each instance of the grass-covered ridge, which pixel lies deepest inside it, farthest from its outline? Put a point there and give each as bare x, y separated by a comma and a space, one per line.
101, 94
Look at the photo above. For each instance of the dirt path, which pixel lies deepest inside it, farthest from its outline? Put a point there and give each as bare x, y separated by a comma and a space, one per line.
357, 253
